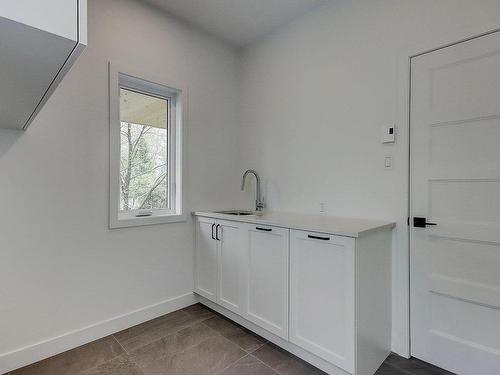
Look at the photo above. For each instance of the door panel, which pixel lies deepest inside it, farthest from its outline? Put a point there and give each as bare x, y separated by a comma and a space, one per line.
231, 255
322, 296
267, 278
205, 259
455, 182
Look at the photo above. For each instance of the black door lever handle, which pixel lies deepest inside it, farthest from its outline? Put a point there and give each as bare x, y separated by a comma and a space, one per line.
421, 222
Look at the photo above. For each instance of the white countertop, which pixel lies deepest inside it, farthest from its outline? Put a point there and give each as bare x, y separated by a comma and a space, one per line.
341, 226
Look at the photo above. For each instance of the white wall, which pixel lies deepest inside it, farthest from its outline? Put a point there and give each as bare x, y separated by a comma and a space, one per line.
61, 268
315, 95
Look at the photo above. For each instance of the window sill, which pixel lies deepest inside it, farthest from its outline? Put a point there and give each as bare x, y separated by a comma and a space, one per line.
125, 221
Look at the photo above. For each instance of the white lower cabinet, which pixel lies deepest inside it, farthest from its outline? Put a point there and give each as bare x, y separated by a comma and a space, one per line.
230, 237
244, 268
266, 274
219, 256
322, 296
205, 275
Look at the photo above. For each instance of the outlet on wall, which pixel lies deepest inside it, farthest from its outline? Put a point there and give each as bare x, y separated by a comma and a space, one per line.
322, 207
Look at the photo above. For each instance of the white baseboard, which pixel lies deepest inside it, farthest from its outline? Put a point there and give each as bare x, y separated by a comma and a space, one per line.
400, 347
47, 348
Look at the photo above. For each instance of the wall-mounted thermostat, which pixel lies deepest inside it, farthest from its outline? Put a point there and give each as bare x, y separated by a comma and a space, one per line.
388, 134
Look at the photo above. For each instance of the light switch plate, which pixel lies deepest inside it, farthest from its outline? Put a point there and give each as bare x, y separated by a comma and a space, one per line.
388, 163
388, 134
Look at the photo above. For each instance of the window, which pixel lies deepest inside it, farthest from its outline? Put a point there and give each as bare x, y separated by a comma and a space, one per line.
145, 146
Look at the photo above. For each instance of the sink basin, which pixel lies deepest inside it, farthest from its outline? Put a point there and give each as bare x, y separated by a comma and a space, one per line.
237, 212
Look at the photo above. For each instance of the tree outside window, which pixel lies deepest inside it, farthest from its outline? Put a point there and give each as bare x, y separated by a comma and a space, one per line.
143, 151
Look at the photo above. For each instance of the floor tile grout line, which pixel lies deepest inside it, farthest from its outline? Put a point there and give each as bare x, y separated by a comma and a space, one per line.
192, 346
180, 351
245, 356
162, 337
136, 364
107, 361
264, 363
232, 342
148, 321
233, 363
289, 356
260, 346
98, 365
120, 344
176, 353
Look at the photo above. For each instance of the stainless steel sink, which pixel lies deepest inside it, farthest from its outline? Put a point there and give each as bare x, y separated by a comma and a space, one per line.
237, 212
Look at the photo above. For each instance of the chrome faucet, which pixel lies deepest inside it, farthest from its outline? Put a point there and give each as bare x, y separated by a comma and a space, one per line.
259, 202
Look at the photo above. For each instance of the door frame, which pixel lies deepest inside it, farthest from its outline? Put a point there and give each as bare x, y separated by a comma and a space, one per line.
401, 339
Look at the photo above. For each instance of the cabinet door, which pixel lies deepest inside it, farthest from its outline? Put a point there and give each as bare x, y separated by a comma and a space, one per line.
322, 296
267, 278
205, 282
231, 249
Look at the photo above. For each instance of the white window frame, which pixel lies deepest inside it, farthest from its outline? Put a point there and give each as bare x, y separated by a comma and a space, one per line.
176, 95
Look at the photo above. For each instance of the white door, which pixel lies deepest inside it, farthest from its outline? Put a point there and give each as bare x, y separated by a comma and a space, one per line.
231, 244
455, 183
322, 296
205, 274
267, 278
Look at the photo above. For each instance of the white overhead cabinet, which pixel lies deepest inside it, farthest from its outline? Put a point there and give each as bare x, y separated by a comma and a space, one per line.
39, 42
323, 296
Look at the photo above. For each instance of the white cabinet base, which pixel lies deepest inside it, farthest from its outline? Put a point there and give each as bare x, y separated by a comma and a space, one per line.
324, 297
287, 345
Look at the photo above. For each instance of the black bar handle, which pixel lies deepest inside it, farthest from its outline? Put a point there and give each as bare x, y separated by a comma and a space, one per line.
217, 232
264, 229
318, 237
213, 237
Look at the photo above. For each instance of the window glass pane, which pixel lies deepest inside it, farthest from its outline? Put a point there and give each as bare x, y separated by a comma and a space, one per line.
143, 151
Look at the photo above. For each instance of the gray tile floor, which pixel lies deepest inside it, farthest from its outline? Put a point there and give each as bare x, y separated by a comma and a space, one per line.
192, 341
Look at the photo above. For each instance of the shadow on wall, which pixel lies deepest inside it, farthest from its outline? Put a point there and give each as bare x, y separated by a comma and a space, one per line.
7, 138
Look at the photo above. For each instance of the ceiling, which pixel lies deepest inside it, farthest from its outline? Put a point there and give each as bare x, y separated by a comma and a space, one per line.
238, 22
